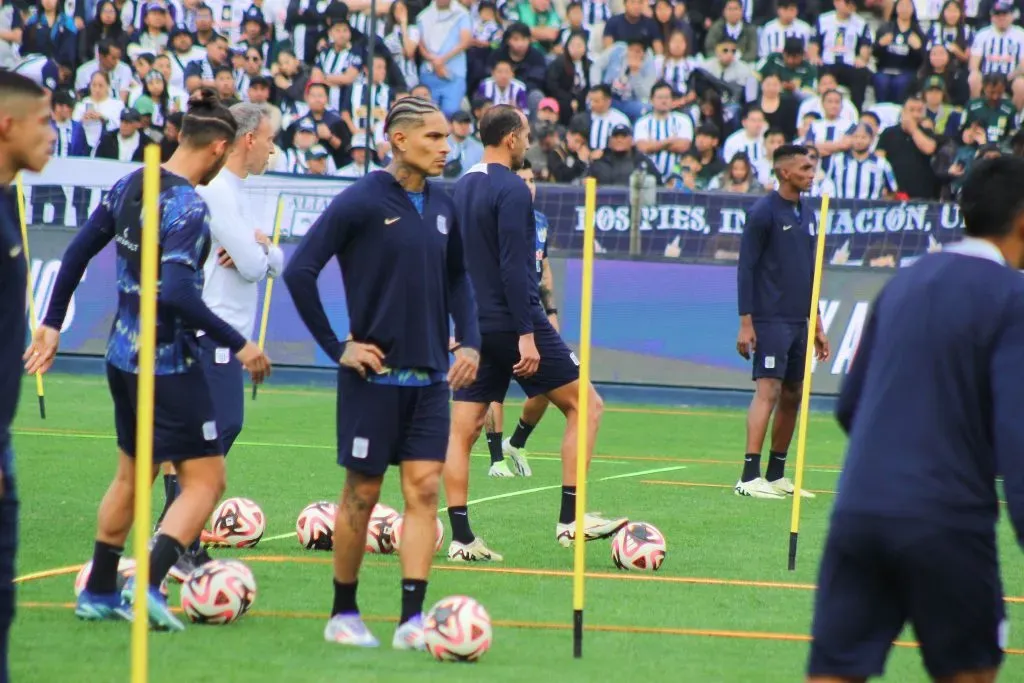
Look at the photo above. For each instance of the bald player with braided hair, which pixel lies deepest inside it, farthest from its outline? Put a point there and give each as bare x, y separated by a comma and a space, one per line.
400, 250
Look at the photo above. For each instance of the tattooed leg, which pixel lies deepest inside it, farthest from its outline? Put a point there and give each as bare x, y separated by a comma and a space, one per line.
360, 494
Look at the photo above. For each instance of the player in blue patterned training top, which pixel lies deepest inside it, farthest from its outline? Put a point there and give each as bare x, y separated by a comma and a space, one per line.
932, 406
185, 427
496, 211
399, 244
534, 408
774, 279
26, 141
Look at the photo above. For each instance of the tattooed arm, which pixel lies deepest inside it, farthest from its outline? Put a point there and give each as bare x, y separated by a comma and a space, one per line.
547, 293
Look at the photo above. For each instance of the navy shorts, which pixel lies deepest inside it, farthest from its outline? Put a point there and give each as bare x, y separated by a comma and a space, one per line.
780, 351
184, 419
226, 379
499, 353
878, 573
386, 424
8, 550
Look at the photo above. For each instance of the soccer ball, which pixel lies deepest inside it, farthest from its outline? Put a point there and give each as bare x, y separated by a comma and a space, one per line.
125, 571
640, 546
315, 526
238, 522
378, 534
396, 534
219, 592
457, 629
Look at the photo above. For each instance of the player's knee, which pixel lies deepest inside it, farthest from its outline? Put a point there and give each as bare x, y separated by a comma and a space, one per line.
768, 390
422, 491
597, 408
789, 396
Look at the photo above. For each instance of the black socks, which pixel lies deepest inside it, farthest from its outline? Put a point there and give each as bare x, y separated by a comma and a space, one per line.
103, 575
345, 598
414, 591
521, 434
568, 512
162, 556
494, 446
458, 517
776, 466
751, 467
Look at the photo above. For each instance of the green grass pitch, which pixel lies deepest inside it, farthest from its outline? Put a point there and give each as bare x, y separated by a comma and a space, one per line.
723, 608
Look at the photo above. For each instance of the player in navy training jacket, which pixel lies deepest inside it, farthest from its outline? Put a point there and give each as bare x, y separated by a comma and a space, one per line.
932, 406
774, 279
398, 241
26, 141
184, 421
496, 211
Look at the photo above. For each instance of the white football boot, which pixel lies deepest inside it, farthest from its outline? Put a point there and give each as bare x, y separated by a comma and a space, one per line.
518, 458
349, 629
757, 488
476, 551
784, 486
594, 527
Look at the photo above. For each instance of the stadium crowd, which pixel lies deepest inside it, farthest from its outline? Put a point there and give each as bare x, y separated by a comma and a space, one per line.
896, 98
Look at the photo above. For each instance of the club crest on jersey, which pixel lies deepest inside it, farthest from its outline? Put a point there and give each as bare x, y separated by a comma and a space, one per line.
542, 235
442, 225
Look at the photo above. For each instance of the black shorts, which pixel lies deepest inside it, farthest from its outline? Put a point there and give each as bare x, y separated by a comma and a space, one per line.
184, 419
384, 424
877, 574
500, 352
780, 351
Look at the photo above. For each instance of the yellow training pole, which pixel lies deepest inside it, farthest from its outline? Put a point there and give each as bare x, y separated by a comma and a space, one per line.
265, 318
587, 296
805, 399
144, 410
31, 297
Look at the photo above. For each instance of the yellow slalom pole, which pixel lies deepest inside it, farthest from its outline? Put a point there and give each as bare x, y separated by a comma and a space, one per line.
144, 410
587, 296
805, 398
265, 318
31, 296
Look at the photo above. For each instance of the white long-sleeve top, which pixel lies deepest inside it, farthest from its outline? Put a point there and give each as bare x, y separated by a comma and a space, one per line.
233, 293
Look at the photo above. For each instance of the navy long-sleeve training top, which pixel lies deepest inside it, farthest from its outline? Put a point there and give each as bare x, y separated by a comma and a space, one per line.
495, 209
933, 399
13, 274
776, 268
404, 273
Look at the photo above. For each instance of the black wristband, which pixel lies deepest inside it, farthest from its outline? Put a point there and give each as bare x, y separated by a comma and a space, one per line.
455, 348
551, 311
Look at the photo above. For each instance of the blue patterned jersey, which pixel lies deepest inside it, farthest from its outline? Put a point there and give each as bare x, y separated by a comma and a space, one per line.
542, 241
184, 239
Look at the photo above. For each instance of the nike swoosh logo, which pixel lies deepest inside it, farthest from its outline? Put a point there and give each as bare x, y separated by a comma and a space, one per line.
787, 227
389, 221
15, 251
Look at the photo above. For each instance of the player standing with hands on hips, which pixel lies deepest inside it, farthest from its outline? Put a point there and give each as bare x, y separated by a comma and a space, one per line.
774, 279
26, 143
185, 420
399, 245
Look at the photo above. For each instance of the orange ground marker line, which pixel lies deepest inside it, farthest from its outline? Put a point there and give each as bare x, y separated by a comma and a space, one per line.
545, 625
47, 573
664, 482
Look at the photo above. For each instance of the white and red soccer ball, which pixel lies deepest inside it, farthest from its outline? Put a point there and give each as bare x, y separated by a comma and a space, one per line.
638, 546
125, 570
315, 525
238, 522
457, 629
218, 592
378, 533
396, 534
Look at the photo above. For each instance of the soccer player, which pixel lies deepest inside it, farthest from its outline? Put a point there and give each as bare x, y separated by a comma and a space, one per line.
774, 277
185, 422
533, 410
517, 339
399, 244
932, 410
241, 257
26, 141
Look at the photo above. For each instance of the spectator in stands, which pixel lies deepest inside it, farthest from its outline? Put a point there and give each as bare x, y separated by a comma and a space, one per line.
663, 135
831, 133
993, 110
255, 29
98, 112
178, 96
445, 34
528, 63
749, 139
294, 158
330, 130
945, 118
568, 77
813, 105
941, 64
998, 49
155, 101
631, 80
822, 184
354, 111
860, 173
259, 93
676, 68
726, 66
568, 161
51, 33
779, 107
503, 88
712, 111
182, 52
156, 23
201, 73
601, 119
738, 177
785, 27
421, 91
732, 25
908, 148
621, 159
668, 23
360, 152
797, 75
291, 77
104, 27
633, 25
842, 44
705, 152
338, 64
542, 20
402, 41
899, 53
466, 150
108, 60
252, 67
171, 131
227, 91
126, 143
951, 32
11, 23
204, 31
305, 20
317, 161
70, 142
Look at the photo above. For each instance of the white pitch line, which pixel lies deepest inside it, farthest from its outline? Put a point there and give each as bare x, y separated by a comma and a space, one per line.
522, 492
